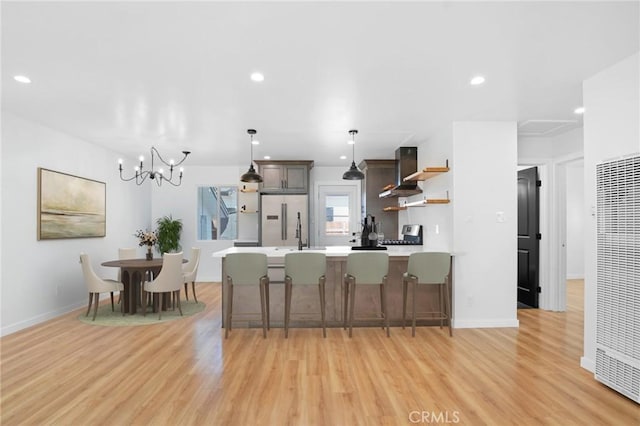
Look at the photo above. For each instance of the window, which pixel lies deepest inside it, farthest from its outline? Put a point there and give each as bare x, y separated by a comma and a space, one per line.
217, 213
337, 220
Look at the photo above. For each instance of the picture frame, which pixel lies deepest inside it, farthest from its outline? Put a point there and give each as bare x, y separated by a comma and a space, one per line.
70, 206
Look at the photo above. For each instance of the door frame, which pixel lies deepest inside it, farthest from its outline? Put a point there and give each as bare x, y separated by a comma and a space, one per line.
553, 227
315, 225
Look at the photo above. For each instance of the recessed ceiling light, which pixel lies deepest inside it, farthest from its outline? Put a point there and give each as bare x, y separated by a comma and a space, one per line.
477, 80
267, 157
579, 110
256, 76
22, 79
343, 157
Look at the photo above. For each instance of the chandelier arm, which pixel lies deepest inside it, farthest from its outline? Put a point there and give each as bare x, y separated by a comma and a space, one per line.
185, 153
126, 179
173, 183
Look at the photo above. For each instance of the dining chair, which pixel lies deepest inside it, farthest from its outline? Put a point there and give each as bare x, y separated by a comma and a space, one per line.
97, 285
366, 268
304, 268
169, 280
125, 253
189, 272
246, 269
428, 268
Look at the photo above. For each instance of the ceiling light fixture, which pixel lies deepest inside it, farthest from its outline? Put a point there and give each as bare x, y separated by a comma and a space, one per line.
158, 175
353, 173
579, 110
256, 76
477, 80
251, 175
22, 79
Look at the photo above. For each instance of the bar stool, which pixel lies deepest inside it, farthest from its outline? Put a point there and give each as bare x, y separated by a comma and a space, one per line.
247, 269
367, 268
428, 268
304, 268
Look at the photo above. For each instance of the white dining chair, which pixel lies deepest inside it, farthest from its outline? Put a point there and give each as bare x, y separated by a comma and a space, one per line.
97, 285
189, 272
169, 280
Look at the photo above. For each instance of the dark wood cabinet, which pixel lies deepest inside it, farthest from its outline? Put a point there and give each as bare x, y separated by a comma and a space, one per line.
377, 175
284, 177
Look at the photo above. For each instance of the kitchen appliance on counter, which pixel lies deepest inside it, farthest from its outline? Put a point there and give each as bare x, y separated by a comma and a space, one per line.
410, 235
279, 220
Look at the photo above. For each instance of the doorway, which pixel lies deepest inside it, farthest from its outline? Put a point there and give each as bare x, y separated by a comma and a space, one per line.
337, 213
528, 238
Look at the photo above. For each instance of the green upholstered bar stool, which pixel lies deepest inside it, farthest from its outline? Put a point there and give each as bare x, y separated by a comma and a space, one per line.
304, 268
247, 269
366, 268
428, 268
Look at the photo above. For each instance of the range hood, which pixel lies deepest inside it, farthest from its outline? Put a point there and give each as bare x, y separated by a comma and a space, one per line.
406, 164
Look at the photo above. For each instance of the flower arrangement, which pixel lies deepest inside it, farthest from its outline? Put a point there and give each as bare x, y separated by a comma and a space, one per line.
147, 238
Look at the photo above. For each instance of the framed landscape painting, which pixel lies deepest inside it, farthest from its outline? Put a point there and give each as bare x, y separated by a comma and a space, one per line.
70, 206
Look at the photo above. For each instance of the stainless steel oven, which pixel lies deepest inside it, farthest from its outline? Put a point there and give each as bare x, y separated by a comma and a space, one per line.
409, 235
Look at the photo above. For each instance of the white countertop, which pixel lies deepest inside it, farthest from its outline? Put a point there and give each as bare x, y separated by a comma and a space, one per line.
331, 251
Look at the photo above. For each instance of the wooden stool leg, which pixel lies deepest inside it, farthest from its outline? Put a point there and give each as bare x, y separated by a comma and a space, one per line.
448, 305
352, 293
382, 302
322, 306
440, 305
227, 326
413, 304
404, 301
266, 297
384, 312
287, 305
263, 296
346, 302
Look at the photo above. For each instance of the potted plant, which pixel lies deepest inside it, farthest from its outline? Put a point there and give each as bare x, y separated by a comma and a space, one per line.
169, 230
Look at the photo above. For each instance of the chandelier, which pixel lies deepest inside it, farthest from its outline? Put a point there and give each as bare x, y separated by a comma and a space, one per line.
158, 175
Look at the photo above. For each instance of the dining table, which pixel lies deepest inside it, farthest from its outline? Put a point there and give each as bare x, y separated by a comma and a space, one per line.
133, 272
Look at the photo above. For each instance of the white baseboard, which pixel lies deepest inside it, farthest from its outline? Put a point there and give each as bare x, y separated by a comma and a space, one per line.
575, 276
21, 325
588, 364
486, 323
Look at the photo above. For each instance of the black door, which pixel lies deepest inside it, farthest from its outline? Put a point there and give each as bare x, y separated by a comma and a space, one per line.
528, 228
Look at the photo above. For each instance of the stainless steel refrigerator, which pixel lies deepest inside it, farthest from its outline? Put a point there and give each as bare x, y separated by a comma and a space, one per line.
279, 219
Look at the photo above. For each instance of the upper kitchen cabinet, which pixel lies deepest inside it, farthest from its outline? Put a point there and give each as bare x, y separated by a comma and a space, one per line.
377, 174
284, 177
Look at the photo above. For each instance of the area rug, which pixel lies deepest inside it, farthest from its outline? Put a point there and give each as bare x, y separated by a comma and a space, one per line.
106, 317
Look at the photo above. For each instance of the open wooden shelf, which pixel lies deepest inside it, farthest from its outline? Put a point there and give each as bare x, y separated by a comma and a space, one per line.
394, 208
424, 202
427, 173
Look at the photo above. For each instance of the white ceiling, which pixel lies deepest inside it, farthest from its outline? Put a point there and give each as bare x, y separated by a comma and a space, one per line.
175, 75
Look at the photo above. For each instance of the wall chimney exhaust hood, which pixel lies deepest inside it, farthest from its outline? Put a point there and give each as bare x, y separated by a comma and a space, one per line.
406, 164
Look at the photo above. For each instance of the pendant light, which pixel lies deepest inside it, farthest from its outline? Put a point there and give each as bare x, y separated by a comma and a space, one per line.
353, 173
251, 176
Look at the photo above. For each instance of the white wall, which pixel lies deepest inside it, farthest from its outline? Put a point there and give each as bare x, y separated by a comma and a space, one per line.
436, 219
485, 248
575, 220
611, 130
182, 203
43, 279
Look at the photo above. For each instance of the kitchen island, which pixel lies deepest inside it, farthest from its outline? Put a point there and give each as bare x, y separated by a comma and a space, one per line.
305, 304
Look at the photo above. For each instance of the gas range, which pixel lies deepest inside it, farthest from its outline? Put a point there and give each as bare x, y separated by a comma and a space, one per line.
411, 236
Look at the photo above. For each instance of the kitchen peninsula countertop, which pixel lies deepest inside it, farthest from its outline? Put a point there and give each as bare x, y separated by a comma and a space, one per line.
305, 309
330, 251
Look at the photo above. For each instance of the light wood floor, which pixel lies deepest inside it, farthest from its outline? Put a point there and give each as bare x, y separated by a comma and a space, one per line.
183, 372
